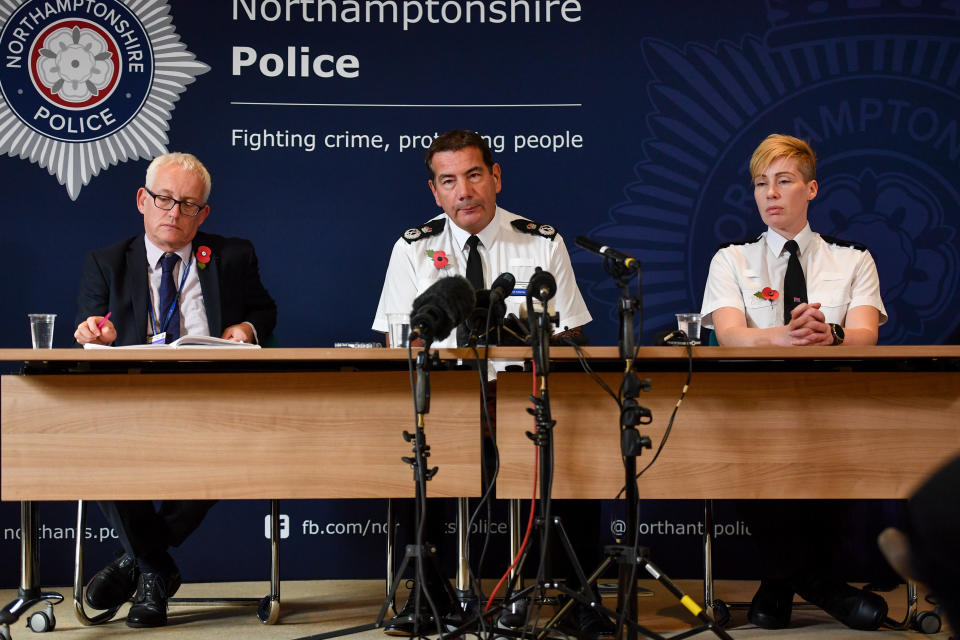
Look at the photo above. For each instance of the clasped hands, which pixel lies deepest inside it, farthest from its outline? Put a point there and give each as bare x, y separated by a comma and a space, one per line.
88, 332
808, 326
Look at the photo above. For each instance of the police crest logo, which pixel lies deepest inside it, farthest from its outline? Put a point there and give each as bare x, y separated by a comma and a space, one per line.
84, 84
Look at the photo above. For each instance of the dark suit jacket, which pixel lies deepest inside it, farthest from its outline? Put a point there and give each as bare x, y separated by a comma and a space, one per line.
115, 280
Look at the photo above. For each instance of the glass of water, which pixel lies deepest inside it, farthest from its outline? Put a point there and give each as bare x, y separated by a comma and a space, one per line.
399, 324
689, 323
41, 329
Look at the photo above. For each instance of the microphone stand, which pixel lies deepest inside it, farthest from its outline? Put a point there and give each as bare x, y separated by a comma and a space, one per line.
540, 324
629, 558
420, 552
631, 442
632, 557
540, 332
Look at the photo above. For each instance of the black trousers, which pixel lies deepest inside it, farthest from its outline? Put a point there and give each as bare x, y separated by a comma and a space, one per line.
147, 532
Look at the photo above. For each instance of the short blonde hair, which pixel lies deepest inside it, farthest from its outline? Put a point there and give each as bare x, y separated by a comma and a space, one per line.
777, 146
186, 161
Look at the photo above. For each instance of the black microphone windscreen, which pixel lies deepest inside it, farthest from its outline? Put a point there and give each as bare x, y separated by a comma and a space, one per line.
486, 299
502, 287
483, 299
457, 296
443, 306
542, 285
478, 315
504, 281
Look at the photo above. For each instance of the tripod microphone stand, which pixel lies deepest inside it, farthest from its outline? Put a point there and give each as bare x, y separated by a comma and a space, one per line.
542, 287
633, 557
422, 554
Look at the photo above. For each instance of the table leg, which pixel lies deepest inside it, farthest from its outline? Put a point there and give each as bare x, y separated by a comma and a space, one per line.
30, 593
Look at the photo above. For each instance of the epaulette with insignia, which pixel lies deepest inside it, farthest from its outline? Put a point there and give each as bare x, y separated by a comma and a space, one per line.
844, 243
741, 242
534, 228
425, 230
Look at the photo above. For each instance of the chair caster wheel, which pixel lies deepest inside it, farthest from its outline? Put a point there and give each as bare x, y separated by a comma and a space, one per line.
269, 610
927, 622
5, 632
721, 613
42, 621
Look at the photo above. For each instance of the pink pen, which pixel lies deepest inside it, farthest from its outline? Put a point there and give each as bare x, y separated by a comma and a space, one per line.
104, 321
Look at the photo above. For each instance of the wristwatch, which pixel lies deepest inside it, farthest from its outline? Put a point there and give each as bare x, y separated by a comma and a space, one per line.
837, 332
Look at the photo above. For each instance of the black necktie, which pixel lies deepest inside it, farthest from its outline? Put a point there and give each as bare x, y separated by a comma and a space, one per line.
474, 265
168, 293
794, 284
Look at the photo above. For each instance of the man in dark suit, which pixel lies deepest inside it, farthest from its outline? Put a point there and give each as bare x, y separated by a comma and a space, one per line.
169, 281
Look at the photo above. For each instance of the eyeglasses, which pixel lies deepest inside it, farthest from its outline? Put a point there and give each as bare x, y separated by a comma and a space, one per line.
166, 203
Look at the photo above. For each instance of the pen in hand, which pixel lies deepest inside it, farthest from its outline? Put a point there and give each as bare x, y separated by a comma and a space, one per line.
104, 321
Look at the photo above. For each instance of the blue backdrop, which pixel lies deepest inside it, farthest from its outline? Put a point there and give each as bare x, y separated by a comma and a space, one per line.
628, 122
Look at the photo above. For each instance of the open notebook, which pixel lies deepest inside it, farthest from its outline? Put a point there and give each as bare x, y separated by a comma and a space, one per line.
181, 343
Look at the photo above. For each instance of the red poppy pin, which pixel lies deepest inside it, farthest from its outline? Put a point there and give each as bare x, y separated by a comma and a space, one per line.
440, 259
203, 256
768, 294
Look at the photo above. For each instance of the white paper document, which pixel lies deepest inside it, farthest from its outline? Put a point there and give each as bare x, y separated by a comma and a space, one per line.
183, 342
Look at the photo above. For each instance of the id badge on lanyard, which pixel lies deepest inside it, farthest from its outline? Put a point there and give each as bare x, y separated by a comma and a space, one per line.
160, 337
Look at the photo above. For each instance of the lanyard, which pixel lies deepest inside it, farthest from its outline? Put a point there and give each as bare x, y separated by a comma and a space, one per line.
173, 305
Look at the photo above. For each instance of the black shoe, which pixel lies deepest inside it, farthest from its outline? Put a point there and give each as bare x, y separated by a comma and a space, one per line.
772, 605
856, 608
114, 584
402, 624
150, 603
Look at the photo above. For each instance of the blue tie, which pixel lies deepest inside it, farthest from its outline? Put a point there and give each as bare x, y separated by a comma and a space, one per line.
168, 293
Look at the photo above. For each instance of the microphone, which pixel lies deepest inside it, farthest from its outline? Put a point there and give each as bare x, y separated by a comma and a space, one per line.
542, 285
502, 287
440, 308
489, 302
607, 252
474, 327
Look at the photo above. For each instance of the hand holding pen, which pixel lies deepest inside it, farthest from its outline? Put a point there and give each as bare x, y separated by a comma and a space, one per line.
96, 330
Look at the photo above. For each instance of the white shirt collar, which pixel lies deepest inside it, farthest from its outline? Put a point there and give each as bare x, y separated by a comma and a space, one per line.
154, 253
487, 236
776, 241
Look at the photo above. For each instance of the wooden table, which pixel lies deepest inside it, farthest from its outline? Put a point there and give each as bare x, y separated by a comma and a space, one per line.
831, 422
835, 422
818, 422
259, 432
824, 422
192, 423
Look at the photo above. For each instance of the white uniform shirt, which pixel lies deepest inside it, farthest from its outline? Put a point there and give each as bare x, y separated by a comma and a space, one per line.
838, 277
193, 313
502, 249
